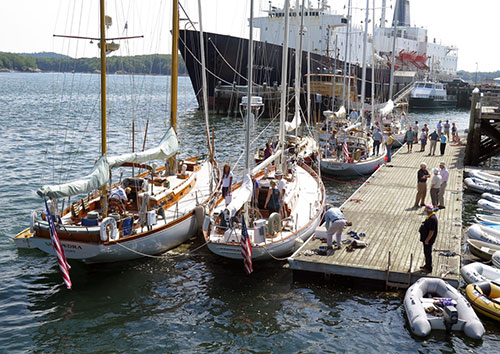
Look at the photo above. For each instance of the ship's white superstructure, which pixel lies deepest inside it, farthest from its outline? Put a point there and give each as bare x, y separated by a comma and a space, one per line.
326, 35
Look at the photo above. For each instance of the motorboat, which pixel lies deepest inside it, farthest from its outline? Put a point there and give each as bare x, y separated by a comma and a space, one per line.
433, 304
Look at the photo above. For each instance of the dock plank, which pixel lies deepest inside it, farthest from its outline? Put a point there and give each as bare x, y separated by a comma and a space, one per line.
383, 209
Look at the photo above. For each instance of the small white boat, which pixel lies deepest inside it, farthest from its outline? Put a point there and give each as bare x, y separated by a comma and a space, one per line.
495, 259
484, 233
431, 303
491, 197
481, 249
492, 219
480, 186
489, 205
355, 168
477, 271
485, 176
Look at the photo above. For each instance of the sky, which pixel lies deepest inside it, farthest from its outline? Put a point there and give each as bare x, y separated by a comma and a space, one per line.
27, 26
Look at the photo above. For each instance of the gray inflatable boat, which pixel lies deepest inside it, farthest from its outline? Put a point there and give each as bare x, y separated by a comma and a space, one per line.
431, 303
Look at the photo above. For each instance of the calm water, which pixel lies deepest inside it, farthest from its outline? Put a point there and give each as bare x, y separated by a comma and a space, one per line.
181, 301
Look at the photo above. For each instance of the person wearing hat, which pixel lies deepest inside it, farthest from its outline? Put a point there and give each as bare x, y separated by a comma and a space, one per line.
335, 223
422, 176
435, 186
443, 172
428, 232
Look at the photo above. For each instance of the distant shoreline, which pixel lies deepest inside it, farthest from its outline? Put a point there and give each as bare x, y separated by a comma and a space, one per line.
4, 71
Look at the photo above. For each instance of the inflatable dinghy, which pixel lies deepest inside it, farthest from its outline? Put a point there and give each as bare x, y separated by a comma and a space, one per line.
478, 272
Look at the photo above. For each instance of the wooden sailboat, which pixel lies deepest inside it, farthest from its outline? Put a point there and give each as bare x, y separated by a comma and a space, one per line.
271, 234
163, 208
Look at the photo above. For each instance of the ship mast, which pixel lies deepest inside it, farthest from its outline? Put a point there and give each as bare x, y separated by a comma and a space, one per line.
175, 65
103, 97
284, 89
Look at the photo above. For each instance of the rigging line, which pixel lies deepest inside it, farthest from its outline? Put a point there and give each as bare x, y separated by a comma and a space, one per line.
164, 255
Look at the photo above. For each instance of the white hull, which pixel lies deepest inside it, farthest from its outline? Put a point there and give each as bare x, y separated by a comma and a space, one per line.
308, 197
485, 176
489, 205
484, 233
476, 272
481, 186
363, 167
178, 227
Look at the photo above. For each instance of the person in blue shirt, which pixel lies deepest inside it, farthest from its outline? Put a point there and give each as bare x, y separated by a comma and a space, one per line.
335, 222
439, 126
442, 145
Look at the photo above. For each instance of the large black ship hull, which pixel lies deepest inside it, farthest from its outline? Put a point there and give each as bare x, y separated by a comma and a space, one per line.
226, 62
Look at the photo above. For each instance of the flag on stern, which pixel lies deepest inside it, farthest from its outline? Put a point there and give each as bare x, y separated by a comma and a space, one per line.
346, 151
246, 247
61, 257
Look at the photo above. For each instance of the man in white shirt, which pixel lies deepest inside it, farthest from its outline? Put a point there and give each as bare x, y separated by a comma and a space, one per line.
435, 185
444, 180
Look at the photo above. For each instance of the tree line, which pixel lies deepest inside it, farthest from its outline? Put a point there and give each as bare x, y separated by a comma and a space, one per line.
158, 64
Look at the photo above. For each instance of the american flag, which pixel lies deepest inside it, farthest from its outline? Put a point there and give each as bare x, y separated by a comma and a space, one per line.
346, 151
61, 257
246, 247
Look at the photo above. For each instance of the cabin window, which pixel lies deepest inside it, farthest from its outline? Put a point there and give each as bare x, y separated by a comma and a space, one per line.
428, 85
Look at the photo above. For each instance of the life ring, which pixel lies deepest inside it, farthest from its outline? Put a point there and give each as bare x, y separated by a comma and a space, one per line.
113, 236
273, 223
33, 221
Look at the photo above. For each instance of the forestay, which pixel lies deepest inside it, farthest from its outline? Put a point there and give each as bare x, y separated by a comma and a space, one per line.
99, 175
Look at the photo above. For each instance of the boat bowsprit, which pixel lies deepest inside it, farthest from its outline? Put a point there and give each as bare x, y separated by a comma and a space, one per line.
485, 298
481, 186
432, 303
477, 272
484, 233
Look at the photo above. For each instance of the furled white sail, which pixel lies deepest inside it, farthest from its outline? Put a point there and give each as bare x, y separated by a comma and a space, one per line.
340, 112
99, 175
295, 123
168, 147
387, 108
240, 196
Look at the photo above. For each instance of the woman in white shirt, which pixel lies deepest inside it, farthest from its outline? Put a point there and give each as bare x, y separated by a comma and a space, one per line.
227, 182
435, 185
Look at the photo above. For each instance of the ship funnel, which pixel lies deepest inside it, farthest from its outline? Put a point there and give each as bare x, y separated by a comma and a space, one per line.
402, 16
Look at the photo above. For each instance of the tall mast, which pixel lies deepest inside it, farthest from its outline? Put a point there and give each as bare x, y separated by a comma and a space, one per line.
284, 89
249, 92
373, 63
394, 34
346, 51
175, 65
204, 84
363, 78
103, 82
298, 61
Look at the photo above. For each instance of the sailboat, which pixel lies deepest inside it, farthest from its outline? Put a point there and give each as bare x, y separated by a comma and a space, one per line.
270, 234
162, 206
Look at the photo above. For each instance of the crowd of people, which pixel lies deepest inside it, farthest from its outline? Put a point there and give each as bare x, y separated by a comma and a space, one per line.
441, 134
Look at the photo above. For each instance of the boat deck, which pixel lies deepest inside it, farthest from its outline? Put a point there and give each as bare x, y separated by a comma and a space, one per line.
383, 209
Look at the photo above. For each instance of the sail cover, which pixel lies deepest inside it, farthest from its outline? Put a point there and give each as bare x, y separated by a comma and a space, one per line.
387, 108
240, 196
295, 123
99, 175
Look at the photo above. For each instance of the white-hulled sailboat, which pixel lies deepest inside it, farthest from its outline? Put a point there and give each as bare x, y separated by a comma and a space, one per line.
164, 206
270, 234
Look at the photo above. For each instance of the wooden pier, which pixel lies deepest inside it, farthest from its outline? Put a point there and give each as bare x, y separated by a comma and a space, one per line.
383, 209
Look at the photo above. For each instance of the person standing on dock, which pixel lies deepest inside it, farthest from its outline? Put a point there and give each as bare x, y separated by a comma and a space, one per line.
416, 129
423, 140
454, 132
439, 127
335, 223
435, 186
433, 138
442, 145
444, 180
446, 127
409, 137
388, 145
428, 233
422, 176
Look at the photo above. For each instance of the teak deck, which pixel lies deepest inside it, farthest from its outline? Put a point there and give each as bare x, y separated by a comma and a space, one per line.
383, 209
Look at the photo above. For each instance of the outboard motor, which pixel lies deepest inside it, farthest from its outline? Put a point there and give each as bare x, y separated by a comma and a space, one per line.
450, 317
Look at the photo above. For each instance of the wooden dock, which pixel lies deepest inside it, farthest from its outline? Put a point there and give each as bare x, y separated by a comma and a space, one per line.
383, 208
